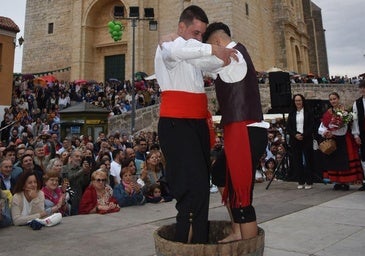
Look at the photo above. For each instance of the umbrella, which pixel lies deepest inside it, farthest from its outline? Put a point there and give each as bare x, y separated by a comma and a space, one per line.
113, 80
80, 81
49, 78
40, 81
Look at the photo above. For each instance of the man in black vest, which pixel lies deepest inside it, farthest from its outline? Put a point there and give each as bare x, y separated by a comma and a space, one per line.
239, 101
358, 126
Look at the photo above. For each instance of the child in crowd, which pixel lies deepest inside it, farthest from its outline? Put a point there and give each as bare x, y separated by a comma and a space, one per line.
154, 194
270, 166
128, 192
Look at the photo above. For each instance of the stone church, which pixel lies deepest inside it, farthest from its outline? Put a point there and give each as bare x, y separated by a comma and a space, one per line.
70, 38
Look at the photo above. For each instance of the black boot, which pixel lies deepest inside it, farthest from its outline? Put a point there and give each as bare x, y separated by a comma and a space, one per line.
337, 187
345, 187
362, 188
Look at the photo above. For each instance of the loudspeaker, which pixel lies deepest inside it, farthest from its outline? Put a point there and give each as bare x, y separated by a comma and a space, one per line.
118, 11
149, 13
134, 11
280, 91
318, 107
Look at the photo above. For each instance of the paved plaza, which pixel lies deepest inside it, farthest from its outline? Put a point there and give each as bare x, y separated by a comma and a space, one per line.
315, 222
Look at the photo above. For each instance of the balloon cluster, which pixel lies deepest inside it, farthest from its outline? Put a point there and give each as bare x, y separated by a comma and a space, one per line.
116, 30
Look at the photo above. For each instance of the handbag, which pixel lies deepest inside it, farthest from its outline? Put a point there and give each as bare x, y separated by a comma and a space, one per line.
328, 146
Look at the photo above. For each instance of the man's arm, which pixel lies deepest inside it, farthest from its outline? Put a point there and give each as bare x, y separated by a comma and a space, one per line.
194, 52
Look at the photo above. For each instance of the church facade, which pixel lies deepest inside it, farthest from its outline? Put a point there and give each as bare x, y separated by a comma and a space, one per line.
71, 38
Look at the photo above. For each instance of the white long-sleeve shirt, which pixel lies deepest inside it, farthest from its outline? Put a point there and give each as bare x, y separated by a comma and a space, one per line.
179, 65
355, 125
233, 72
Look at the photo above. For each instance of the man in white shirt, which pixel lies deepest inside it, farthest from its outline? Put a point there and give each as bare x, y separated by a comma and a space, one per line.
116, 165
358, 126
183, 131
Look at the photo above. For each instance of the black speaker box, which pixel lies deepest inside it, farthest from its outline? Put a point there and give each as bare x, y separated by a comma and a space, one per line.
149, 13
280, 91
134, 12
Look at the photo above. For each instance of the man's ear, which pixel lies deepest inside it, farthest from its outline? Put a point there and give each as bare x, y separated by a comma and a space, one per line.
181, 28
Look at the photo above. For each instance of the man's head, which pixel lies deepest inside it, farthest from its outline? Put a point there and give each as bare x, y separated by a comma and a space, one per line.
142, 145
27, 163
39, 150
75, 158
192, 23
217, 33
129, 153
6, 167
10, 153
118, 155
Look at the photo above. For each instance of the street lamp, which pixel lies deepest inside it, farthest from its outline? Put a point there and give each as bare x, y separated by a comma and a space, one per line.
20, 42
134, 17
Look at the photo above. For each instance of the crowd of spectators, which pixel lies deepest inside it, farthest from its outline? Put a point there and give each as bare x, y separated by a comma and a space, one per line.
313, 79
115, 170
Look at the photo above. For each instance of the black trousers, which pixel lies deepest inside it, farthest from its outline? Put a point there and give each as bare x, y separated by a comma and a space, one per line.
185, 145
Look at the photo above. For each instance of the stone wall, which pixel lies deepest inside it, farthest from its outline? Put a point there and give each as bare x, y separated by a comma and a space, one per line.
147, 118
272, 30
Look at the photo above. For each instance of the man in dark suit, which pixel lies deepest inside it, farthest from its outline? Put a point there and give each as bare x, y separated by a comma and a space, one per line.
358, 126
6, 181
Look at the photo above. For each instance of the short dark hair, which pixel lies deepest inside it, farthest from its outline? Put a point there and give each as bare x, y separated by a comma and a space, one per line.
23, 178
215, 26
116, 152
11, 148
193, 12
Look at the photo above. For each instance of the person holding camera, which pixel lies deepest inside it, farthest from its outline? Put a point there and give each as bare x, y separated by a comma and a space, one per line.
78, 174
40, 157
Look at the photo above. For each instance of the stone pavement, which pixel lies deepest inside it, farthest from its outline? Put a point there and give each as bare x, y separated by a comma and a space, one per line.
316, 222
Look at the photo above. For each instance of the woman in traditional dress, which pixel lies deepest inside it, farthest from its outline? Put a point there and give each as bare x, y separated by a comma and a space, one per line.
342, 167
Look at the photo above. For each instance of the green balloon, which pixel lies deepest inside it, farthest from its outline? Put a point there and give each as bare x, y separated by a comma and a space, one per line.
117, 27
115, 33
111, 24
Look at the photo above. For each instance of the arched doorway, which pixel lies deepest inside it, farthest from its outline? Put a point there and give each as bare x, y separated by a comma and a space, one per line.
103, 58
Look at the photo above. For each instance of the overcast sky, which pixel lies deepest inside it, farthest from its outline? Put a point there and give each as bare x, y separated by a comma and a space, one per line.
342, 19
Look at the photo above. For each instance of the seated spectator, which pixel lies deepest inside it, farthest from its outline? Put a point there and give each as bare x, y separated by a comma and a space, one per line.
154, 195
128, 192
77, 172
270, 166
154, 173
7, 182
5, 215
55, 198
28, 200
97, 197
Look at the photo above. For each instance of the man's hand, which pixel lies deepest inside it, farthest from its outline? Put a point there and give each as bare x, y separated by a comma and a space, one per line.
358, 140
224, 54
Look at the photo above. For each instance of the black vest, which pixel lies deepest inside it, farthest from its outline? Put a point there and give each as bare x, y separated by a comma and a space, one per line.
360, 115
240, 101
